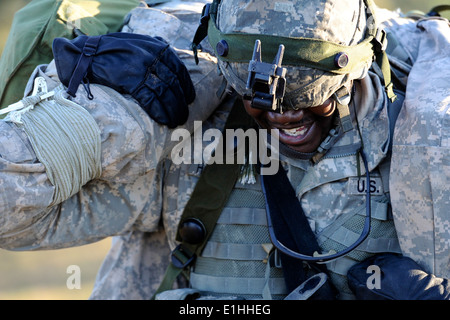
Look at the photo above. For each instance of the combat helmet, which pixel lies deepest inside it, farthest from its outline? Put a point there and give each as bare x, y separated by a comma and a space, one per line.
317, 47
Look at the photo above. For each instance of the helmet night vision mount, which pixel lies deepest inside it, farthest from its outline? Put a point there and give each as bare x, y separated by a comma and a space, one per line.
266, 81
319, 54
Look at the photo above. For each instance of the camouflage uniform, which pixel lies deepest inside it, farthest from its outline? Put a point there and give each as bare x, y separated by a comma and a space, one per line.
420, 171
140, 195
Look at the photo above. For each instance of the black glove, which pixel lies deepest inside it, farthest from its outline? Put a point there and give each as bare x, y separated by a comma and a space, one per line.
401, 278
139, 65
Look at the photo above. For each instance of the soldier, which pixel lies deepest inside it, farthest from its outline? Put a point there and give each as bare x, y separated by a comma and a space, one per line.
333, 118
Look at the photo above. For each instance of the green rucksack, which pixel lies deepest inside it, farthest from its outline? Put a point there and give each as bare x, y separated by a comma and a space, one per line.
36, 25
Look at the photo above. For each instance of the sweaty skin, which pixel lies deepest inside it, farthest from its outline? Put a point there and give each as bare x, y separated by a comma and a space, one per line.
301, 130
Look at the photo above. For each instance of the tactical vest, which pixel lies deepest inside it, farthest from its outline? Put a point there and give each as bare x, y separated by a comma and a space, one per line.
238, 259
236, 262
347, 228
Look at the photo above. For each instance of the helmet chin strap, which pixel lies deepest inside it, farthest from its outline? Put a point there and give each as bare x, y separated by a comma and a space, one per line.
343, 97
334, 134
342, 122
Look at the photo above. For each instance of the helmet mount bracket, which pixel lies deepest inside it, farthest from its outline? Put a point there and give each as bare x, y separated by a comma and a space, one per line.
267, 81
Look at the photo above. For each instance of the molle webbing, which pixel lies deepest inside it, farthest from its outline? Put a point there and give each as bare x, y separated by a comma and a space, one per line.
207, 201
382, 238
235, 261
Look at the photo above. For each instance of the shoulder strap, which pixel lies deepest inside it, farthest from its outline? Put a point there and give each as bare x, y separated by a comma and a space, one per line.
203, 209
292, 228
199, 218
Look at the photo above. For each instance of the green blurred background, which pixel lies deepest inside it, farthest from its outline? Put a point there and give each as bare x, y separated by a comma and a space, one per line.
8, 7
42, 275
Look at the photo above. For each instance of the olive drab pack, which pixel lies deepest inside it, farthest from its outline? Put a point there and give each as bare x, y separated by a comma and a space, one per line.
36, 25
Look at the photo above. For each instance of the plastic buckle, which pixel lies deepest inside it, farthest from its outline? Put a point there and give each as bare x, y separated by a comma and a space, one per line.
277, 259
380, 41
181, 258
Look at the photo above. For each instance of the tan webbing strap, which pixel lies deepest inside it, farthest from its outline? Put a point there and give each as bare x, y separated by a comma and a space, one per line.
206, 204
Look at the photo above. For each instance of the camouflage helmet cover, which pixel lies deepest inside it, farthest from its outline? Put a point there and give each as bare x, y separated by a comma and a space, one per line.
338, 21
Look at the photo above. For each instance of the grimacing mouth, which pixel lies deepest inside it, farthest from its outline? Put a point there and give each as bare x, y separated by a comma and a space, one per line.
293, 129
295, 132
302, 130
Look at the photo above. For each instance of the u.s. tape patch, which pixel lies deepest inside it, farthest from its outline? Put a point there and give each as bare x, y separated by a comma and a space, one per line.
359, 186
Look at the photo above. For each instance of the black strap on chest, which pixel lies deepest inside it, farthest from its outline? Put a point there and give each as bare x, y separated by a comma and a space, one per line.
210, 197
293, 230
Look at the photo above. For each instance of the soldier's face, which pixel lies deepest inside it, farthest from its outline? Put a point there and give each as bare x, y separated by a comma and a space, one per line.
302, 130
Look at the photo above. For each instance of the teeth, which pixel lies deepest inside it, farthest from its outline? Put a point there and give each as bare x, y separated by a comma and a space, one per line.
295, 131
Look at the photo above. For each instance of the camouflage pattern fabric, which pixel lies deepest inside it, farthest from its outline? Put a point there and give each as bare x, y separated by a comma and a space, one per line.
335, 21
420, 168
141, 194
127, 197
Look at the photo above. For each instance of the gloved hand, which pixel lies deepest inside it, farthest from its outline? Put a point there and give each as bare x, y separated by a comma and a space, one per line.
139, 65
401, 278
